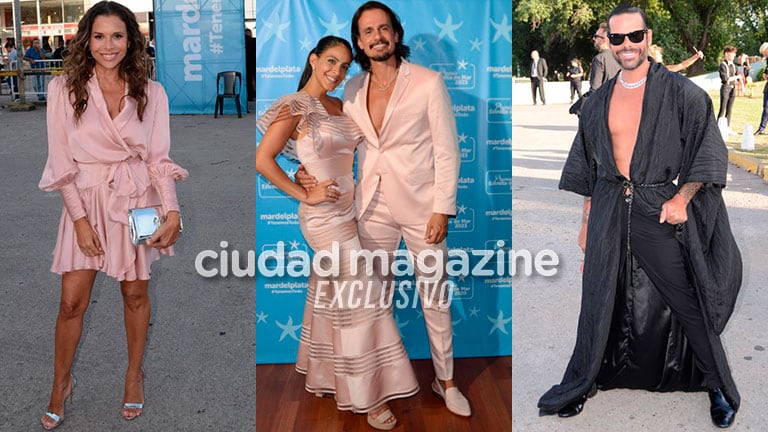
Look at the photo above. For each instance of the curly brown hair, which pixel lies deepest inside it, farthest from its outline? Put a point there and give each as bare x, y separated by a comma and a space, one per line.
79, 64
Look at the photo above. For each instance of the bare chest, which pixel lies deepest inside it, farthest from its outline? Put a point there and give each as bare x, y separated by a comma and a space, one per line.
624, 115
377, 106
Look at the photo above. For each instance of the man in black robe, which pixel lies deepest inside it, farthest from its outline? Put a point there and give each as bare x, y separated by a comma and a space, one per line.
661, 268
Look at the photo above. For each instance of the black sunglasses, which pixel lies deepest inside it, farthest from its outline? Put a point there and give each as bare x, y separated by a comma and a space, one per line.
636, 36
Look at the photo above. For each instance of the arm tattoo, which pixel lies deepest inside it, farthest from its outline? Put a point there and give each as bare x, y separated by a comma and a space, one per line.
688, 190
587, 208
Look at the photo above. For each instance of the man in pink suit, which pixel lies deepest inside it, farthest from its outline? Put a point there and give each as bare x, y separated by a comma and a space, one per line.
407, 170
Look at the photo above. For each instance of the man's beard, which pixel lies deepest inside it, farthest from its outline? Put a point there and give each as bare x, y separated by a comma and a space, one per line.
625, 65
383, 57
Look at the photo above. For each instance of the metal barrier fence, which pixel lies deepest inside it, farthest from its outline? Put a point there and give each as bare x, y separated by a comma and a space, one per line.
37, 76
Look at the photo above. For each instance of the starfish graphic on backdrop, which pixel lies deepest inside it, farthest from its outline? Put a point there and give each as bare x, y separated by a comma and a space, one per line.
288, 329
447, 28
499, 323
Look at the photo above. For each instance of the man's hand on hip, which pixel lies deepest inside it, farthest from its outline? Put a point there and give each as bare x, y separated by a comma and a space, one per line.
303, 179
437, 228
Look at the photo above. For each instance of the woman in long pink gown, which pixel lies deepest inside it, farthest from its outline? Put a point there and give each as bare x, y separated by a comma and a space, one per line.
350, 345
108, 144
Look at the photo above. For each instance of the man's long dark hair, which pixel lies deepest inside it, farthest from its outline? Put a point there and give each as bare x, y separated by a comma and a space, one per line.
401, 50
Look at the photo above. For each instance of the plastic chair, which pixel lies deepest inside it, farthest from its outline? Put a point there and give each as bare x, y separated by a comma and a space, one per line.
233, 80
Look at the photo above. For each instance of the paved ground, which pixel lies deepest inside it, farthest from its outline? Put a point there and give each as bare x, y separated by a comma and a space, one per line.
545, 310
200, 357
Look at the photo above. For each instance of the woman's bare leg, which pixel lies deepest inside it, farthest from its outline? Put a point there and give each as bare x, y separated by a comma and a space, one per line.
136, 310
76, 287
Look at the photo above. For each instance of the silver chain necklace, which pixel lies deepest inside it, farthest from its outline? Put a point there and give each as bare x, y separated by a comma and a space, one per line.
392, 81
631, 86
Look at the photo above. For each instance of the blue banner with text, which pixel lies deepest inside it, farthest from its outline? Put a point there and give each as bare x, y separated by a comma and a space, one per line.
197, 39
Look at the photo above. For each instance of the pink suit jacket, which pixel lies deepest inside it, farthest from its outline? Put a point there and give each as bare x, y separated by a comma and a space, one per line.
416, 157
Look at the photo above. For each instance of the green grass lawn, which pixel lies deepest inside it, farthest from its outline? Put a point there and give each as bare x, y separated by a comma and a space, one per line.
746, 110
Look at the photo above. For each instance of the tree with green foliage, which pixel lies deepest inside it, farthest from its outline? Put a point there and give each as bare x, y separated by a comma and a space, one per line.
562, 29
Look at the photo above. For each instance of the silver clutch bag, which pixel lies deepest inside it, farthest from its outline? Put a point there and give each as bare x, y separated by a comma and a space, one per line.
143, 222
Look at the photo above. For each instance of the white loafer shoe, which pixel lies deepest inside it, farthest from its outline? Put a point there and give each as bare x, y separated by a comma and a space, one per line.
454, 400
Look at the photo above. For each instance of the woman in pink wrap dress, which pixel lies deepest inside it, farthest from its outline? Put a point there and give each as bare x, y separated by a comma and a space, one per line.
352, 347
108, 144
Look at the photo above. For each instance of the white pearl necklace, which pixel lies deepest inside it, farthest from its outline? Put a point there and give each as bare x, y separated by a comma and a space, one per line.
631, 86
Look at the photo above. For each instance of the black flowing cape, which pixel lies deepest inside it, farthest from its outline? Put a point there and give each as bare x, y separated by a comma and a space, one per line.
627, 336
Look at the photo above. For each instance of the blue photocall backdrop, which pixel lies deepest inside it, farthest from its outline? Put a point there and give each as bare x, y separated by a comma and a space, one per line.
470, 44
195, 40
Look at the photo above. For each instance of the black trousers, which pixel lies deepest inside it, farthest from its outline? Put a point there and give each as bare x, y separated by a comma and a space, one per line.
727, 96
537, 83
660, 255
576, 87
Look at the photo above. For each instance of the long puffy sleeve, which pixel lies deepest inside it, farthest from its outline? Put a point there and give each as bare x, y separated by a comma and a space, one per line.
300, 104
163, 172
60, 169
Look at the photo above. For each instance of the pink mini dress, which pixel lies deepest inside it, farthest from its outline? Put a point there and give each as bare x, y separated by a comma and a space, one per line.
102, 167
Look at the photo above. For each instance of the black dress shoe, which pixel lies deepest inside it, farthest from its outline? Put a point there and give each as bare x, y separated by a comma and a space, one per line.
760, 132
721, 410
575, 407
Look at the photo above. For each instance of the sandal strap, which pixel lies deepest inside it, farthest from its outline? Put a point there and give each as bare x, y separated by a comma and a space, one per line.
383, 416
134, 405
53, 416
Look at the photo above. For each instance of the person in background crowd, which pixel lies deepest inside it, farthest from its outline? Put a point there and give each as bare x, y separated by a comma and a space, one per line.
58, 54
47, 48
35, 56
743, 69
538, 76
250, 64
151, 48
657, 53
13, 58
604, 65
67, 47
574, 74
728, 80
764, 117
744, 66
